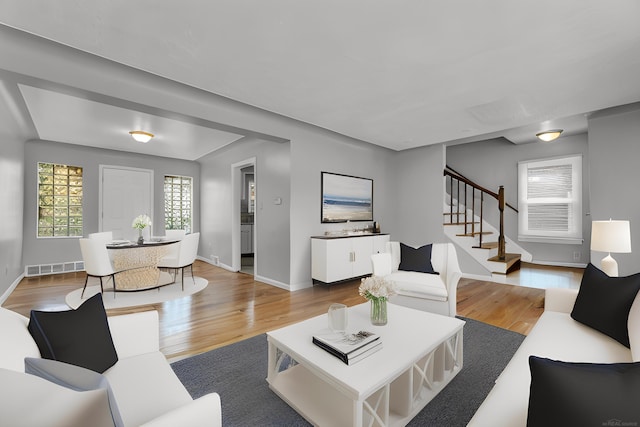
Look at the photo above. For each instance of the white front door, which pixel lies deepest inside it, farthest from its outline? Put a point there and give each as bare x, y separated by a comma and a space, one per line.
125, 193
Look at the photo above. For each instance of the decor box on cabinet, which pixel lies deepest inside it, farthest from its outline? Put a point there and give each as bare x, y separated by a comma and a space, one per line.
338, 258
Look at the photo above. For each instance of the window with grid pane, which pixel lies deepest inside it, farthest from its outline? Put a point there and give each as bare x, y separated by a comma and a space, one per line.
178, 202
550, 200
59, 200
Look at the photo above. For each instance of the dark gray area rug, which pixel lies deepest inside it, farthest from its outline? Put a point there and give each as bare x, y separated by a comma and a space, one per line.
238, 373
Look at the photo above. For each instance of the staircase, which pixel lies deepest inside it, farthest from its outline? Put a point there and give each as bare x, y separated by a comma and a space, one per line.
465, 224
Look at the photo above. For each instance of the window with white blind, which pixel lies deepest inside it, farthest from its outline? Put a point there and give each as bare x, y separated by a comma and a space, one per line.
550, 200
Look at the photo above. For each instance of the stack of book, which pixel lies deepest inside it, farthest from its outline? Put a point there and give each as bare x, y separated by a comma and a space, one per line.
349, 347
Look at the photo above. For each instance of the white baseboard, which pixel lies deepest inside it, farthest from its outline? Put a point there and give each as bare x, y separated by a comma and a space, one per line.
559, 264
10, 289
257, 278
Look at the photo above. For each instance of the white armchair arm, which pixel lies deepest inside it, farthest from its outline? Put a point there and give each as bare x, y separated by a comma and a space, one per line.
452, 276
136, 333
204, 411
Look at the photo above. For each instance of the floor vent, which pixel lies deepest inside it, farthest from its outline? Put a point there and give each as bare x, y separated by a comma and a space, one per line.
57, 268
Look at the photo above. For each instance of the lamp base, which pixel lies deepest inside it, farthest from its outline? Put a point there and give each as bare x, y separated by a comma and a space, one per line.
609, 266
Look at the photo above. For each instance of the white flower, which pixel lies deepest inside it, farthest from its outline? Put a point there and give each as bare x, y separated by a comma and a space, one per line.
141, 221
375, 287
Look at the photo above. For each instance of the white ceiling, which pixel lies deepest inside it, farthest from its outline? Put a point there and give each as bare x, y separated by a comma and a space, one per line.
66, 118
396, 74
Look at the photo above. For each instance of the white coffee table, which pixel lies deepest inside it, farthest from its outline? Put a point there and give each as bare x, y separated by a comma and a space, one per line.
421, 353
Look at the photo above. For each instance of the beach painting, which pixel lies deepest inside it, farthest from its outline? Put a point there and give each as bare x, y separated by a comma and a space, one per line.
346, 198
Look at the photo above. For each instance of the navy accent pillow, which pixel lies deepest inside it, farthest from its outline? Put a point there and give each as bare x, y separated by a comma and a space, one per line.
603, 303
583, 394
79, 337
412, 259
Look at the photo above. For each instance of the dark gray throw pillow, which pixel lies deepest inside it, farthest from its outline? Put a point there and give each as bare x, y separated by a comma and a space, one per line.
583, 394
603, 302
416, 259
80, 337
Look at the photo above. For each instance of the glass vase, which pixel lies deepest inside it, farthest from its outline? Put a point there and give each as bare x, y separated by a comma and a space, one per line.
140, 238
379, 311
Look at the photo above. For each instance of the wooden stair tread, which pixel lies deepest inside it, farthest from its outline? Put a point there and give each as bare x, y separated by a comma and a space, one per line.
476, 233
507, 258
487, 245
460, 223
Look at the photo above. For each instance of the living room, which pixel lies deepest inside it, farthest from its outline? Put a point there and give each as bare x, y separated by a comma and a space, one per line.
291, 154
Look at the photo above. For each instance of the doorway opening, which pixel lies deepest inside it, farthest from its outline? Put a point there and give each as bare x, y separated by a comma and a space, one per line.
247, 216
244, 216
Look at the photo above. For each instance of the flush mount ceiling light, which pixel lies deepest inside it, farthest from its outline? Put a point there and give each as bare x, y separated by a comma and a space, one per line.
549, 135
141, 136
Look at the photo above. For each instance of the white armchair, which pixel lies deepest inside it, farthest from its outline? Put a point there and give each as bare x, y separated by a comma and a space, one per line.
435, 293
141, 389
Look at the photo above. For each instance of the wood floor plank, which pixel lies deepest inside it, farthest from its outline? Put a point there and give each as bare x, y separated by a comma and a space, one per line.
234, 306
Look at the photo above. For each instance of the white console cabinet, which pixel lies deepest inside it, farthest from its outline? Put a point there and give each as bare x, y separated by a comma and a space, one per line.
336, 258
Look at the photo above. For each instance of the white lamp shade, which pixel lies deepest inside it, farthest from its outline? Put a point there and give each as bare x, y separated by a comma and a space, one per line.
611, 236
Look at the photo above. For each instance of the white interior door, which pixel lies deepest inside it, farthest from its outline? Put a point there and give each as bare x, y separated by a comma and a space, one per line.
125, 193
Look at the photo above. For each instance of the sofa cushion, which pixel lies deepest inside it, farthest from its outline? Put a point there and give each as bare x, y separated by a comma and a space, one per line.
26, 400
75, 378
416, 259
136, 382
419, 285
15, 341
582, 394
603, 302
80, 337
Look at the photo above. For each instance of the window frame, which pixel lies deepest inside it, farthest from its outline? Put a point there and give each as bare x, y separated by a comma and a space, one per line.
39, 207
189, 227
574, 233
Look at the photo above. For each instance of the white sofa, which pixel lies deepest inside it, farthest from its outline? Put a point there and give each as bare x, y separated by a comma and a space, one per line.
435, 293
555, 336
143, 385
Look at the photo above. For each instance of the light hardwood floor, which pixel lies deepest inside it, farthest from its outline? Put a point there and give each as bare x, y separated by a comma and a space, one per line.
234, 307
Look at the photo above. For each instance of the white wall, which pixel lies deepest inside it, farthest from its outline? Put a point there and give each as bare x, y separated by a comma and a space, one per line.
614, 149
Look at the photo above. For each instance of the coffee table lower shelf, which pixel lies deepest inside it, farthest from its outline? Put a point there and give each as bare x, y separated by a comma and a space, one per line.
393, 404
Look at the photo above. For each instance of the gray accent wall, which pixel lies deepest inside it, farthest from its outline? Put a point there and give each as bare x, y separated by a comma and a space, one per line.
12, 136
614, 147
312, 152
417, 195
271, 221
55, 250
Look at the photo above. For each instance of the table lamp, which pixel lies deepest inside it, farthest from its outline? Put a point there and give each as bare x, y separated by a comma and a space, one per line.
610, 236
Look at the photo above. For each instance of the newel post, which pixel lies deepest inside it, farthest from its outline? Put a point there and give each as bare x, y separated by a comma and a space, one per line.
501, 240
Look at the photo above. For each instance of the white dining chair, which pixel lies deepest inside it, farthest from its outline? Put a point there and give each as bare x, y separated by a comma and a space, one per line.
96, 262
186, 256
104, 236
174, 234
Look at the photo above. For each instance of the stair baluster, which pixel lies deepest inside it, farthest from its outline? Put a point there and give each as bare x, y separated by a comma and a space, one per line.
452, 175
